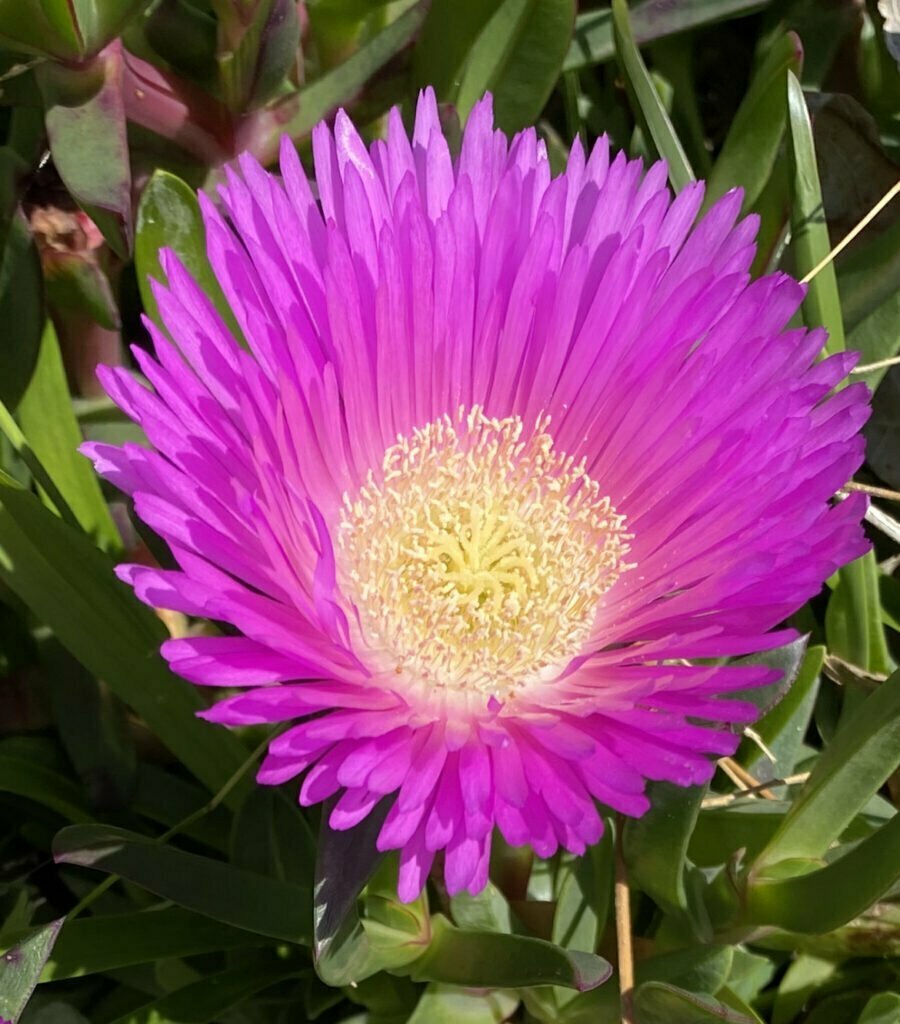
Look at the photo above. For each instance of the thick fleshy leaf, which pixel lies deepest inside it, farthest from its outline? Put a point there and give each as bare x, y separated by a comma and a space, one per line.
484, 960
69, 585
754, 138
655, 845
49, 424
449, 32
646, 102
345, 862
810, 242
821, 900
658, 1003
95, 945
869, 282
853, 625
67, 29
854, 765
258, 53
85, 116
582, 904
169, 216
517, 57
22, 304
21, 967
593, 41
218, 890
443, 1004
783, 728
881, 1009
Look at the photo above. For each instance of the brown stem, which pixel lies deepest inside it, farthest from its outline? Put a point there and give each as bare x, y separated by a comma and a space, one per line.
623, 932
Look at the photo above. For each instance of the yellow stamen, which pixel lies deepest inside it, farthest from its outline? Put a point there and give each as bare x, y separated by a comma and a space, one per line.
477, 560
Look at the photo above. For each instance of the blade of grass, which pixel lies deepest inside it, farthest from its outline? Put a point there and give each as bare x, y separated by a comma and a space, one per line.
647, 105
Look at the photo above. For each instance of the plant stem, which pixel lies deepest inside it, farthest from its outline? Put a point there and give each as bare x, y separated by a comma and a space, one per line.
623, 932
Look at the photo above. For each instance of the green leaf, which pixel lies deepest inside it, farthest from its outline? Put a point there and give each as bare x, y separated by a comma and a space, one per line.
881, 1009
271, 837
28, 778
517, 57
67, 29
853, 619
810, 242
339, 86
751, 147
344, 864
447, 37
822, 900
484, 960
593, 41
487, 912
96, 945
697, 969
854, 765
783, 728
70, 586
21, 967
169, 216
442, 1004
206, 1000
22, 304
585, 885
655, 845
85, 116
801, 980
168, 800
93, 727
218, 890
658, 1003
645, 101
52, 432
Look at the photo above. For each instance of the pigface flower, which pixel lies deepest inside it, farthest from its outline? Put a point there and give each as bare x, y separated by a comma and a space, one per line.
508, 462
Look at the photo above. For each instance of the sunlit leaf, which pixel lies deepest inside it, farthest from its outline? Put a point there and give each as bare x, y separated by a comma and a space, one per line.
646, 101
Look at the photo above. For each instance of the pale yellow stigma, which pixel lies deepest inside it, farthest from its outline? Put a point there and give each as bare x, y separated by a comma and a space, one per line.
476, 561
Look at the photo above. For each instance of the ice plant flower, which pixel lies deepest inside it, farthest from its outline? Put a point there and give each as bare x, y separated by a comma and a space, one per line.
508, 461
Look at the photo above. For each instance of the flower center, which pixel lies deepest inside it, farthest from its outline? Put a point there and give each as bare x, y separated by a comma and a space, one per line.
476, 563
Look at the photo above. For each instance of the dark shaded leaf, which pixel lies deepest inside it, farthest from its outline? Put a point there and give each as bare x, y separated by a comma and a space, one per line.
21, 305
70, 585
94, 945
218, 890
593, 41
210, 997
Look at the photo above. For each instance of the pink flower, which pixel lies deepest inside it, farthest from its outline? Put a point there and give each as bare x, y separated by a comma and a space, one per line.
508, 453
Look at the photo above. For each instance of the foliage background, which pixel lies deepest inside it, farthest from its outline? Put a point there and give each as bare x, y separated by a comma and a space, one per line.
143, 878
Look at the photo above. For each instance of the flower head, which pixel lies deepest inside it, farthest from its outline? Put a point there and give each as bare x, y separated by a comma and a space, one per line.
509, 460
